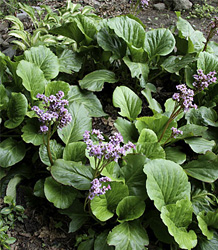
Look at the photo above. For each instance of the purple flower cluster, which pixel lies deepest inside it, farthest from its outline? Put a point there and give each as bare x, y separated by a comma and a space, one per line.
144, 3
176, 132
54, 111
202, 81
97, 189
109, 151
185, 97
214, 23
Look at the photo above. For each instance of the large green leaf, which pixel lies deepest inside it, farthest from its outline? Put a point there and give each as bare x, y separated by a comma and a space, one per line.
152, 150
104, 206
184, 27
53, 87
56, 152
133, 174
61, 196
205, 168
175, 154
31, 132
177, 218
130, 208
159, 42
80, 122
128, 235
153, 104
207, 62
11, 152
45, 59
196, 42
95, 80
111, 42
174, 64
75, 151
137, 69
129, 103
69, 61
130, 30
88, 99
77, 215
73, 174
166, 182
17, 109
127, 130
208, 222
157, 124
101, 242
200, 145
32, 77
190, 130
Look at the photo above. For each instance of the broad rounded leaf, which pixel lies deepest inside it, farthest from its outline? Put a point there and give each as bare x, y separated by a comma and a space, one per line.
129, 103
80, 122
177, 218
53, 87
31, 132
32, 77
130, 208
207, 62
39, 188
56, 152
128, 235
200, 145
73, 174
129, 29
159, 42
133, 174
11, 152
166, 182
150, 150
104, 206
69, 61
61, 196
88, 99
205, 168
175, 154
75, 151
208, 222
95, 80
45, 59
17, 109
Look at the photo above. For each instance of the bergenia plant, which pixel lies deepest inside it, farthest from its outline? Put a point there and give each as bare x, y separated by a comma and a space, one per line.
184, 98
53, 116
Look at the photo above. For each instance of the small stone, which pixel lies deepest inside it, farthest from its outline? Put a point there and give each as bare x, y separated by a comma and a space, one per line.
159, 6
3, 26
22, 15
182, 5
11, 51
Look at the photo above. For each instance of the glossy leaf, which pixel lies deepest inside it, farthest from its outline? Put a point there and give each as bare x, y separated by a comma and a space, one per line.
177, 218
166, 182
127, 130
72, 173
31, 132
130, 208
45, 59
128, 235
75, 151
95, 80
80, 122
207, 62
11, 152
53, 87
17, 109
128, 102
134, 176
56, 152
200, 145
175, 154
61, 196
101, 242
205, 168
32, 77
159, 42
88, 99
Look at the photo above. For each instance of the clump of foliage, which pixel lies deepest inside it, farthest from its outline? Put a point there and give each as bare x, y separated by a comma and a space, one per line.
154, 181
204, 10
8, 216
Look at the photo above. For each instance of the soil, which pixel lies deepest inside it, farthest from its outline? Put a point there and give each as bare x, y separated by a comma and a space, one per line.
40, 229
